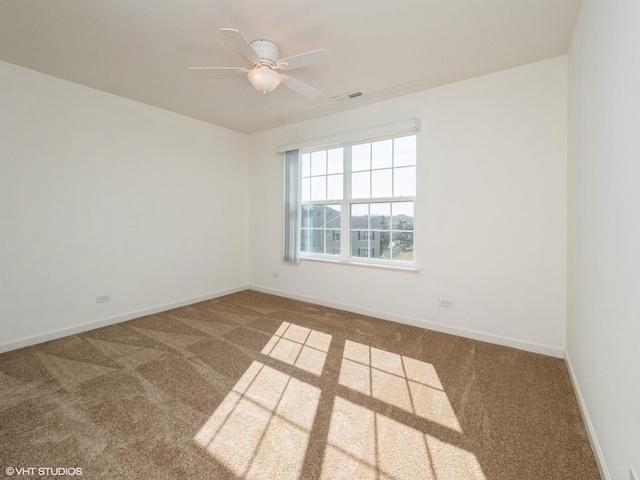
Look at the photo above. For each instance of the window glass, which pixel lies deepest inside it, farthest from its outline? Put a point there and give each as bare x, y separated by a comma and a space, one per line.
333, 216
380, 216
381, 183
319, 188
402, 246
404, 151
382, 154
403, 216
335, 160
306, 189
361, 157
319, 163
361, 184
360, 216
306, 164
404, 182
335, 187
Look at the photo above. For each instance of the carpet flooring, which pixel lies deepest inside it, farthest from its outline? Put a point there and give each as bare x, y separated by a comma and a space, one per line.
253, 386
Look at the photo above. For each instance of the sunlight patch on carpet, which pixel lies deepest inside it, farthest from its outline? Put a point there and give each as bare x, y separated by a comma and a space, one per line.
299, 346
406, 383
260, 429
365, 444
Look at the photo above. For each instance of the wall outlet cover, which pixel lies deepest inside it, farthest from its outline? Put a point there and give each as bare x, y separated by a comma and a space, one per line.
445, 302
103, 298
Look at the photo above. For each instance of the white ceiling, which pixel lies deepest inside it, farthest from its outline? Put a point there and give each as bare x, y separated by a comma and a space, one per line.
140, 49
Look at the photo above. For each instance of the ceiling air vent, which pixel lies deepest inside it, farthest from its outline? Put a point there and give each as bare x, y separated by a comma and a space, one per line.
347, 96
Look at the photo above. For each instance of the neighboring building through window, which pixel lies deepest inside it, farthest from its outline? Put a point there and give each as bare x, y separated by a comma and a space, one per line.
366, 252
358, 201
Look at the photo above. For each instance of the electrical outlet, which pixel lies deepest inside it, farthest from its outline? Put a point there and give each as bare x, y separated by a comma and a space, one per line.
632, 474
103, 298
445, 302
276, 275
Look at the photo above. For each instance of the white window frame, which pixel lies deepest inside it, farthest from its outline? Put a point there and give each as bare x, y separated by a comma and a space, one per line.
346, 202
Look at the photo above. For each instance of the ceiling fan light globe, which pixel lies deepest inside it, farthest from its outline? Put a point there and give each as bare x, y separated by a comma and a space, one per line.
264, 79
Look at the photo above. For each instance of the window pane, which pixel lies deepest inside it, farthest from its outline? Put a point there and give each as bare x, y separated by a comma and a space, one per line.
380, 245
316, 216
304, 240
402, 246
403, 216
359, 247
315, 241
319, 163
381, 154
319, 188
305, 215
366, 235
404, 182
306, 189
380, 216
381, 183
335, 160
360, 216
360, 185
361, 157
332, 242
404, 151
334, 187
306, 164
332, 213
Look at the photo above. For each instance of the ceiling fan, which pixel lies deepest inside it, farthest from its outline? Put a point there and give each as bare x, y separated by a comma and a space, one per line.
265, 56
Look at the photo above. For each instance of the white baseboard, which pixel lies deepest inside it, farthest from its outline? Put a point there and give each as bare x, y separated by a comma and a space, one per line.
64, 332
550, 350
438, 327
595, 445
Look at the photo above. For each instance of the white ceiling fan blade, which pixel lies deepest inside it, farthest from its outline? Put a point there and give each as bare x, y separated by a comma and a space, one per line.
300, 87
235, 37
304, 59
237, 69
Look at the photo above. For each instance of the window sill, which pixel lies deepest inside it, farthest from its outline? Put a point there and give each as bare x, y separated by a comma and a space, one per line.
412, 268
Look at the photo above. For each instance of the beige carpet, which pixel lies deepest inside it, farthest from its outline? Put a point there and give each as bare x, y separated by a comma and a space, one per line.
256, 386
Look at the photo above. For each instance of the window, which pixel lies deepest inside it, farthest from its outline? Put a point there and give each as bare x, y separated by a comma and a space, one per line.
358, 201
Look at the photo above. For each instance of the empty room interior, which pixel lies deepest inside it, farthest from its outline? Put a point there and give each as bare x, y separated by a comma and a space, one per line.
335, 240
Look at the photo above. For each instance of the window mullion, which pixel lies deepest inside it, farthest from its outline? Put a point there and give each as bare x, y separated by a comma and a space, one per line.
384, 200
393, 179
345, 235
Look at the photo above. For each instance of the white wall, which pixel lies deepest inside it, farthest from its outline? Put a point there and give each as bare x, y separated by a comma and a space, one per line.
103, 195
490, 213
603, 307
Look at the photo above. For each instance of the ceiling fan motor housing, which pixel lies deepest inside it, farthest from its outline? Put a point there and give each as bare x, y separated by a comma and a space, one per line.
268, 51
